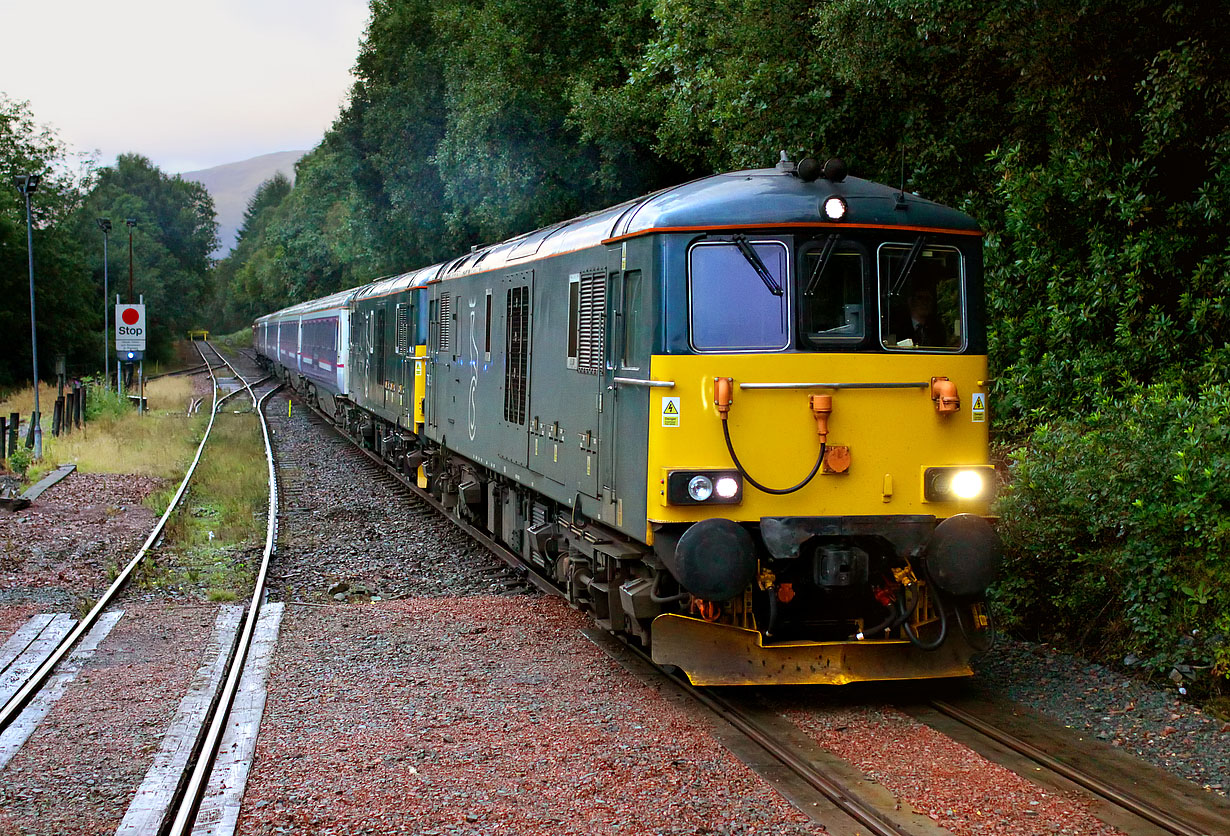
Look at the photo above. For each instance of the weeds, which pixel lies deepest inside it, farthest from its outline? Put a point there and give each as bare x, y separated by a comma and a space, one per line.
20, 460
222, 515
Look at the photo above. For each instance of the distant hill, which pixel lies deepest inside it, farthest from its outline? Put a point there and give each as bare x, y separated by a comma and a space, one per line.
232, 186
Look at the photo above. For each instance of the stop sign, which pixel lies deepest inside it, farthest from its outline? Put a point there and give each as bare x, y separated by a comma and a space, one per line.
130, 328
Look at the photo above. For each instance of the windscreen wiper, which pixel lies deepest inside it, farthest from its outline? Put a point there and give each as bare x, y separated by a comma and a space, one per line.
759, 266
826, 251
911, 259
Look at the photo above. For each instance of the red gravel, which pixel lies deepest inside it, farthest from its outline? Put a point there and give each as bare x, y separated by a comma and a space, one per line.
64, 544
11, 619
958, 788
483, 715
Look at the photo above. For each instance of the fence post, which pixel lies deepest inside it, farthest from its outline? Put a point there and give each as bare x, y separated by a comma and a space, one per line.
14, 428
58, 414
34, 419
4, 437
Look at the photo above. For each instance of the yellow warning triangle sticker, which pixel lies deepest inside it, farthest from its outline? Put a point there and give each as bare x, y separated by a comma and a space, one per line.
671, 408
980, 401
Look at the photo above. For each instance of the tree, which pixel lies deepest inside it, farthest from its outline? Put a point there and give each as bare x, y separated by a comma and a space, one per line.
65, 325
175, 232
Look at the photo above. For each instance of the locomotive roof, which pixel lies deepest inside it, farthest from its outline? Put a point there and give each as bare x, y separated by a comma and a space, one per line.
753, 199
760, 198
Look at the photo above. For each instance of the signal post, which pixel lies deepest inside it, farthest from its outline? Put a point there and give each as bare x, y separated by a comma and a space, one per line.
130, 331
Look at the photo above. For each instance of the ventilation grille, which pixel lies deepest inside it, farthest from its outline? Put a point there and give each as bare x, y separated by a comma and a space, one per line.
591, 319
515, 378
446, 323
516, 382
403, 329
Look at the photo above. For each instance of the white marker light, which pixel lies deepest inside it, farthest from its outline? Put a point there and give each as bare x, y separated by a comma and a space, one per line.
834, 208
727, 487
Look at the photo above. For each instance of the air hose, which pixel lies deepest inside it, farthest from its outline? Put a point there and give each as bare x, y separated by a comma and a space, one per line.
902, 608
935, 643
777, 491
987, 641
821, 406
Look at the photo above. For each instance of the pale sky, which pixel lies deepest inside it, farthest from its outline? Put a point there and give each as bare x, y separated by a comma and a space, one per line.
190, 85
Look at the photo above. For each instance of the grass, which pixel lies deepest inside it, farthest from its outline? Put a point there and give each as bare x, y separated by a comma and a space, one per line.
22, 400
240, 339
114, 438
221, 520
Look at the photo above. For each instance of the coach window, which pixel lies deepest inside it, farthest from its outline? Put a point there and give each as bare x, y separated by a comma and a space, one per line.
922, 300
574, 318
832, 293
738, 298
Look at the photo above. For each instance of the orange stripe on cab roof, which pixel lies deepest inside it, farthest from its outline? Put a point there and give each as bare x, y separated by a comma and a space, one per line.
795, 225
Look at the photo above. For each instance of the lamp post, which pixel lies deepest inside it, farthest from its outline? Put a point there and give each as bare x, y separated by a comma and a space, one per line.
105, 225
27, 184
131, 222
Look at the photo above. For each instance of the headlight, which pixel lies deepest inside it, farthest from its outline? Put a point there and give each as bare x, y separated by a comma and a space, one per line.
700, 488
967, 484
709, 487
954, 484
834, 208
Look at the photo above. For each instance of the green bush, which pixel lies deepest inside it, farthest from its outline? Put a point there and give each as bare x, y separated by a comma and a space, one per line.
20, 459
239, 339
1117, 530
104, 402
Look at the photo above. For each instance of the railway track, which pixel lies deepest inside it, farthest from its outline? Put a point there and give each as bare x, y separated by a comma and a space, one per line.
1132, 793
186, 803
817, 788
830, 792
183, 801
40, 675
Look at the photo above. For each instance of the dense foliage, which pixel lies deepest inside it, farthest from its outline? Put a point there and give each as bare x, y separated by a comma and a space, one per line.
1119, 531
1095, 150
174, 234
25, 148
460, 129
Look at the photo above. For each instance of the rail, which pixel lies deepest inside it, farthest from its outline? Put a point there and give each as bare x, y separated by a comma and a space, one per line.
15, 704
194, 790
1128, 802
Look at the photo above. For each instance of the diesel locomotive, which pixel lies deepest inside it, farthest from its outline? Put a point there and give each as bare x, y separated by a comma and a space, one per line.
742, 420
